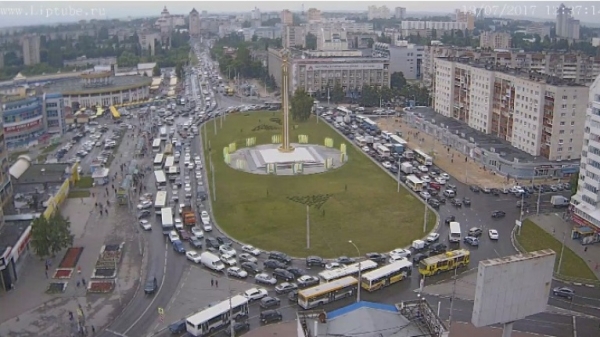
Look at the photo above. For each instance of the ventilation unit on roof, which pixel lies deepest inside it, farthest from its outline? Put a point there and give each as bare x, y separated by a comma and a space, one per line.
493, 149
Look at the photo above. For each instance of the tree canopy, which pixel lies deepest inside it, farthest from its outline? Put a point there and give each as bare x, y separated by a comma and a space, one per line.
301, 105
49, 236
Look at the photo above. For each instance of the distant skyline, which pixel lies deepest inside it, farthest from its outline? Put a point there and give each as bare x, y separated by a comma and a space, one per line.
18, 13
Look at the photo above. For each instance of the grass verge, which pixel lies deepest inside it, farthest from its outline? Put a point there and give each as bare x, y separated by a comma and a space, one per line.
50, 148
533, 238
361, 204
78, 194
84, 182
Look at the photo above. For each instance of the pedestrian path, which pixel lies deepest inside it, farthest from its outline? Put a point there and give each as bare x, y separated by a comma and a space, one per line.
554, 224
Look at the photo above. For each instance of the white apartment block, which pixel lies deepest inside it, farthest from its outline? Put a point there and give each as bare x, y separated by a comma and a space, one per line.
348, 25
535, 113
495, 40
400, 13
426, 28
404, 57
328, 39
586, 210
292, 36
379, 13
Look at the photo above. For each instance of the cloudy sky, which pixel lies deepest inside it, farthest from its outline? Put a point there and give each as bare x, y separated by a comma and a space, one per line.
19, 13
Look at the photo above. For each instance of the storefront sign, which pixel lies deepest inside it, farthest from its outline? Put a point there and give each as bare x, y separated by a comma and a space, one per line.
24, 126
345, 66
22, 243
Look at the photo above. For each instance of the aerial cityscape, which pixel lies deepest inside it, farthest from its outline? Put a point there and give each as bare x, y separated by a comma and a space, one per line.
300, 169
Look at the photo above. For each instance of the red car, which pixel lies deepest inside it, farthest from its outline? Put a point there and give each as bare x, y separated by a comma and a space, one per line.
184, 235
435, 185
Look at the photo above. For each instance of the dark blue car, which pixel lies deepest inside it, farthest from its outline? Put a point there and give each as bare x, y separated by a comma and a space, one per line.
178, 247
177, 327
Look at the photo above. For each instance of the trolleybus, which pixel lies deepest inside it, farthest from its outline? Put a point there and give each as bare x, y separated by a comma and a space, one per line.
349, 270
386, 275
327, 292
217, 316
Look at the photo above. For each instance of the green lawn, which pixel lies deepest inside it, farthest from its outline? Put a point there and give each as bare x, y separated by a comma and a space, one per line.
84, 182
78, 194
255, 208
534, 238
14, 155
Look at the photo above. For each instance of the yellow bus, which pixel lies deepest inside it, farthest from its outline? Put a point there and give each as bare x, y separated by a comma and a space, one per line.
168, 150
115, 113
386, 275
327, 292
444, 262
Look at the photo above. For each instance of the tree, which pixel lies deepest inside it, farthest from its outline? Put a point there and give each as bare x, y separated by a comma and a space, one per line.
179, 71
337, 93
302, 105
370, 96
49, 236
574, 180
156, 71
397, 80
311, 41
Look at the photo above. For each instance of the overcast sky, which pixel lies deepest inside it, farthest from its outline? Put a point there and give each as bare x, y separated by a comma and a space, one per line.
49, 12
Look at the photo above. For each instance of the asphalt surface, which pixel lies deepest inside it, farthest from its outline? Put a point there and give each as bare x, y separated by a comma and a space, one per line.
142, 313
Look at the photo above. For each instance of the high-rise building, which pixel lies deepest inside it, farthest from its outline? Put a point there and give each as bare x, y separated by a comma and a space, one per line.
400, 13
5, 183
292, 36
539, 114
287, 17
466, 17
586, 202
566, 26
379, 12
313, 15
31, 49
194, 24
495, 40
331, 39
404, 57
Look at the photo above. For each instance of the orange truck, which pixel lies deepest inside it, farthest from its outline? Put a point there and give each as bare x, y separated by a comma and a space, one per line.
188, 215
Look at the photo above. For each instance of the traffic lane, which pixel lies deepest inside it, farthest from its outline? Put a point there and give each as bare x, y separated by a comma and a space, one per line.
587, 326
585, 305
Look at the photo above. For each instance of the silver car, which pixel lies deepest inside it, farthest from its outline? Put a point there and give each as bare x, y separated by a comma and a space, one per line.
265, 279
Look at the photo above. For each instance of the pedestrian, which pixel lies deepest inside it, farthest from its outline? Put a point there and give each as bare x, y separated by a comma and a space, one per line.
101, 212
83, 281
585, 249
78, 284
212, 282
47, 266
217, 283
46, 272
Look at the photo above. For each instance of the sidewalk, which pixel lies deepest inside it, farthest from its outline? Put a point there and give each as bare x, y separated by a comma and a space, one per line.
554, 224
449, 160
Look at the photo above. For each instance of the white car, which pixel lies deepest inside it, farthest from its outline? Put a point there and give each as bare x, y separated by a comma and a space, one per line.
425, 178
433, 237
173, 236
396, 258
400, 252
386, 164
493, 234
440, 180
207, 227
197, 232
193, 256
144, 204
365, 148
245, 257
265, 279
187, 188
333, 265
255, 294
425, 195
445, 175
181, 206
146, 225
178, 223
237, 272
205, 217
423, 168
250, 249
226, 249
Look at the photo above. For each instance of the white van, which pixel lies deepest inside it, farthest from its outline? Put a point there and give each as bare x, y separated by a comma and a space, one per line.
211, 261
455, 233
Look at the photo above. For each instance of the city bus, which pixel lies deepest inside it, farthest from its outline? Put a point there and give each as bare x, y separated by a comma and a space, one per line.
444, 262
168, 149
170, 161
159, 161
370, 125
414, 183
172, 173
156, 145
166, 217
395, 139
160, 201
386, 275
423, 158
349, 270
344, 110
217, 316
163, 133
161, 180
327, 292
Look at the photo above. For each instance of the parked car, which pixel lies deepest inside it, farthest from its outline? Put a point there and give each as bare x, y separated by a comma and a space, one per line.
279, 256
315, 261
274, 264
270, 316
563, 292
282, 274
265, 279
251, 267
251, 250
237, 272
245, 257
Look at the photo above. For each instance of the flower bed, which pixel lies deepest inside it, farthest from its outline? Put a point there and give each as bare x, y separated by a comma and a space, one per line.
101, 287
103, 273
63, 273
71, 258
56, 288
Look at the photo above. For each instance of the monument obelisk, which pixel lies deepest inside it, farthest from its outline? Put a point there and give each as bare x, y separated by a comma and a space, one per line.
285, 103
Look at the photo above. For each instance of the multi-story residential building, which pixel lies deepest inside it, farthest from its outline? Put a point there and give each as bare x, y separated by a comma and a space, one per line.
255, 14
350, 26
406, 58
5, 183
194, 23
538, 114
313, 15
466, 17
566, 26
328, 40
316, 72
400, 13
292, 36
31, 49
55, 114
586, 202
426, 28
287, 17
167, 21
379, 13
24, 120
538, 28
495, 40
148, 40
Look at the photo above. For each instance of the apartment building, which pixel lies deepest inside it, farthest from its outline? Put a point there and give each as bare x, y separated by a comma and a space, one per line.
399, 13
292, 36
538, 28
466, 17
350, 26
538, 114
406, 58
287, 17
566, 26
194, 23
426, 28
586, 203
328, 39
5, 183
31, 49
313, 15
375, 12
495, 40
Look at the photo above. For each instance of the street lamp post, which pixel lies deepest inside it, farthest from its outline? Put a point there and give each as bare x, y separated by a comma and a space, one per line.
425, 216
359, 271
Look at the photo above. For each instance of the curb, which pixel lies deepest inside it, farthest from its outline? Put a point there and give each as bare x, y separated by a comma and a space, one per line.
558, 279
209, 199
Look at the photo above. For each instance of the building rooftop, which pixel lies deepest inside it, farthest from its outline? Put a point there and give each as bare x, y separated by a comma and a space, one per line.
10, 234
43, 173
75, 86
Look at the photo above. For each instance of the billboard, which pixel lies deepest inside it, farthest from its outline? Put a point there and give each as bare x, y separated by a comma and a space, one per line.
345, 66
513, 287
24, 126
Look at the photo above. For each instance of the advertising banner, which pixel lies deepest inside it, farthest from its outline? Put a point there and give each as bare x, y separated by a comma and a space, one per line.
345, 66
24, 126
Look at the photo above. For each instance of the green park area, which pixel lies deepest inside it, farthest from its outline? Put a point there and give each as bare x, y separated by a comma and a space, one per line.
534, 238
358, 201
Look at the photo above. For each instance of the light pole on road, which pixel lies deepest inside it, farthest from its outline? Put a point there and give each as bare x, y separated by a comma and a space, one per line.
359, 271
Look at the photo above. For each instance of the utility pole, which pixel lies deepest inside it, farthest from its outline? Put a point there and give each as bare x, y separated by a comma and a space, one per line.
359, 271
307, 227
398, 178
215, 123
212, 171
521, 216
232, 331
562, 251
452, 298
424, 216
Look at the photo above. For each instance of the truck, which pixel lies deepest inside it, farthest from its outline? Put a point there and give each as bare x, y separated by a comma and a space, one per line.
188, 215
406, 168
369, 140
559, 201
211, 261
